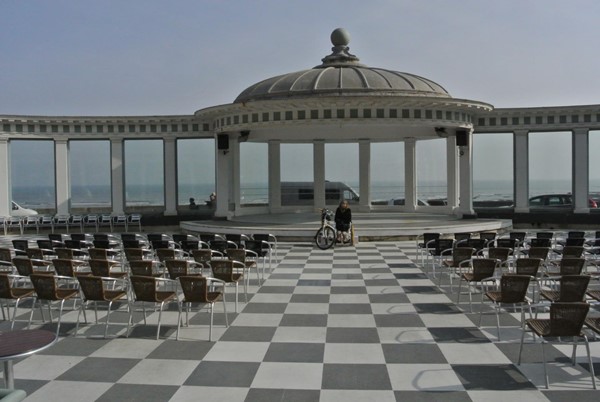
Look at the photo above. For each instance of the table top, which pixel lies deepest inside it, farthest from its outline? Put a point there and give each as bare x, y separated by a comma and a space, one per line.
14, 344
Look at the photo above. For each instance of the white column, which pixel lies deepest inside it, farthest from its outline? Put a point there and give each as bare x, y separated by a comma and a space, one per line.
465, 165
410, 175
364, 174
275, 175
117, 176
222, 180
319, 173
5, 188
580, 170
235, 190
170, 161
452, 166
521, 170
63, 188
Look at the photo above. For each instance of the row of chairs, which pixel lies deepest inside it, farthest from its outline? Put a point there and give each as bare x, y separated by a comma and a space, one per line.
67, 222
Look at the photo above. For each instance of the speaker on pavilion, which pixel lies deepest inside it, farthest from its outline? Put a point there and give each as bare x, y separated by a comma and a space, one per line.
222, 142
462, 138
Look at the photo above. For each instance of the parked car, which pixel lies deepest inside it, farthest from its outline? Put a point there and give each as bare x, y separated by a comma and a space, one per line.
556, 201
18, 210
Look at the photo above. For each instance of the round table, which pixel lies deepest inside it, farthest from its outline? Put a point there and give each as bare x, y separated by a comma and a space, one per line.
16, 344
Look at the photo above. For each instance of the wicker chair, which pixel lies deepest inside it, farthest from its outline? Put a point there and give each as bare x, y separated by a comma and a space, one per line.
263, 250
454, 260
27, 266
10, 291
271, 239
97, 253
483, 271
422, 244
566, 321
51, 288
6, 264
197, 289
70, 253
70, 268
104, 268
95, 289
572, 289
247, 257
229, 272
513, 292
137, 253
177, 268
531, 267
204, 256
145, 268
435, 251
153, 290
165, 254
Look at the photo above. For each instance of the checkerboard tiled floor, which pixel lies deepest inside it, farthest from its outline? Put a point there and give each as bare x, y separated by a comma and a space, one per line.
351, 324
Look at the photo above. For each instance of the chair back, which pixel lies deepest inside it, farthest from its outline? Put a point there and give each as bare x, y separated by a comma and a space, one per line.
189, 245
92, 287
79, 236
24, 265
101, 267
520, 236
574, 241
165, 254
64, 267
159, 244
195, 289
545, 235
260, 247
236, 254
427, 237
573, 288
56, 237
35, 253
221, 245
499, 253
540, 242
141, 267
576, 234
202, 256
144, 288
74, 244
133, 243
102, 243
571, 266
223, 270
513, 288
566, 319
5, 287
20, 244
508, 243
528, 266
5, 255
538, 252
177, 268
134, 254
572, 251
98, 253
44, 285
477, 244
461, 254
440, 245
462, 236
47, 244
487, 236
64, 253
484, 267
157, 237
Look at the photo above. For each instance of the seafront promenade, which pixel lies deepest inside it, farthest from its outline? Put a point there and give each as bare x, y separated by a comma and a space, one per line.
353, 323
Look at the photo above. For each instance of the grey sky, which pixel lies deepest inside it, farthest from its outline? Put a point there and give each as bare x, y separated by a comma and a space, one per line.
145, 57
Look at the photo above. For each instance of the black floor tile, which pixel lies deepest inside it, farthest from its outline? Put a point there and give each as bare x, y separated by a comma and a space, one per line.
295, 352
492, 377
356, 376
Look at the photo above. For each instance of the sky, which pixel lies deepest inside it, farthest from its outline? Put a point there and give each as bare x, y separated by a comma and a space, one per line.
150, 57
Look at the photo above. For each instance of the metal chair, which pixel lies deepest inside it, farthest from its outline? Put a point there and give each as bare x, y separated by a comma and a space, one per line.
565, 322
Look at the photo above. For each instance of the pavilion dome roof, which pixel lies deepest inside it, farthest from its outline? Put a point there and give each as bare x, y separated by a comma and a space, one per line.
341, 74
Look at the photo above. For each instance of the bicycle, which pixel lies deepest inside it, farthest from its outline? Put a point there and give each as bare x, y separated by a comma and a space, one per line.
327, 234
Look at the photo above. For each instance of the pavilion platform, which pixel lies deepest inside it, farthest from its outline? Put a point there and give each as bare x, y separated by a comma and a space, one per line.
372, 225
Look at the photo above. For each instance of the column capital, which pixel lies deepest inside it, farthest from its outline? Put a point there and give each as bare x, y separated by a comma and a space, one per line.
581, 130
521, 132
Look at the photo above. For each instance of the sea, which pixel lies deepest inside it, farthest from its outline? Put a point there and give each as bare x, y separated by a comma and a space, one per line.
42, 197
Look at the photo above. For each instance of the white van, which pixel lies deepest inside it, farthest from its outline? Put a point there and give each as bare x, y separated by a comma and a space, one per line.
303, 193
18, 210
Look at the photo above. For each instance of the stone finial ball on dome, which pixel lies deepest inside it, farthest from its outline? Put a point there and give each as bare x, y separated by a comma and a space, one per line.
340, 37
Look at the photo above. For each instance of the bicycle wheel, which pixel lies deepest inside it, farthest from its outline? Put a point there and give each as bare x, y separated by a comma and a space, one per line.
325, 238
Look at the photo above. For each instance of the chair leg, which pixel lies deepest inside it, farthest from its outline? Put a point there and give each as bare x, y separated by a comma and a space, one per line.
159, 316
79, 315
12, 321
31, 314
212, 308
178, 324
587, 348
498, 321
107, 319
62, 303
544, 359
458, 295
521, 346
225, 309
